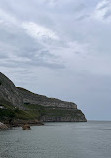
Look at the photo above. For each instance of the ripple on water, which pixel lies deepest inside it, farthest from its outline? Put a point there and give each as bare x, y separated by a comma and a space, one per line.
58, 140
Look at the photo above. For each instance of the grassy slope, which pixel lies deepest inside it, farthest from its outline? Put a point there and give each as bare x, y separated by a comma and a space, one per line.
33, 112
11, 112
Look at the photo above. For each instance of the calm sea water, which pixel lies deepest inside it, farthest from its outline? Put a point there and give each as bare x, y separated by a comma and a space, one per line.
58, 140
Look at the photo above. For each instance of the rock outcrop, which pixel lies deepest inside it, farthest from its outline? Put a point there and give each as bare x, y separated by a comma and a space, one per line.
26, 127
31, 98
3, 126
8, 91
63, 115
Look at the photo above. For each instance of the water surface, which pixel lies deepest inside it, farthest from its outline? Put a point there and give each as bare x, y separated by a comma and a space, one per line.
58, 140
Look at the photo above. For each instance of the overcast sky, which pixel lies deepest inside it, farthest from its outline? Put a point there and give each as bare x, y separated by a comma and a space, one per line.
60, 48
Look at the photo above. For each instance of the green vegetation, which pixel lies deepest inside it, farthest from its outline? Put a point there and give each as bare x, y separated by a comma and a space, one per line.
35, 110
32, 112
6, 114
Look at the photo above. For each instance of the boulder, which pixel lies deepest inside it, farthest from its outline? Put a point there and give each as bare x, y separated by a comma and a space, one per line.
26, 127
3, 126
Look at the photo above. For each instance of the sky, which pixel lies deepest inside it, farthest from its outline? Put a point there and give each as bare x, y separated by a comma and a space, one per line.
61, 49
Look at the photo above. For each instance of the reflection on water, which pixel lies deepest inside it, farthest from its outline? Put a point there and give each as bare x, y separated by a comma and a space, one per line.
58, 140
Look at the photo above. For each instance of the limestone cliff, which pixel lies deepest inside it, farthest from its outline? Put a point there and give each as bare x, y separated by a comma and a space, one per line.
53, 109
31, 98
8, 91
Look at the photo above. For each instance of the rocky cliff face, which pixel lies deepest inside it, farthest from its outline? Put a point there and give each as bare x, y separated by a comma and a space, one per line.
63, 115
55, 109
8, 91
31, 98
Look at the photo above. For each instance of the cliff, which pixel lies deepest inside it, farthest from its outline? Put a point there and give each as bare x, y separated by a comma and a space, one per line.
31, 98
20, 103
8, 91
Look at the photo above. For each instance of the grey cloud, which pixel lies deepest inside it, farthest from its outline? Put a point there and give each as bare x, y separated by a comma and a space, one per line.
80, 7
82, 17
104, 6
38, 62
21, 45
3, 56
107, 15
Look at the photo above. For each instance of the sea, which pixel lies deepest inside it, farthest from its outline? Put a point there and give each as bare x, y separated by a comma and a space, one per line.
90, 139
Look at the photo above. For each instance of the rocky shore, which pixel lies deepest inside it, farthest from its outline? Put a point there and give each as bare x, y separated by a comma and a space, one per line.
3, 126
20, 123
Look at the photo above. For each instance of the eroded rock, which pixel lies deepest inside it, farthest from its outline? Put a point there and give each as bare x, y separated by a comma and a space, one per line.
26, 127
3, 126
